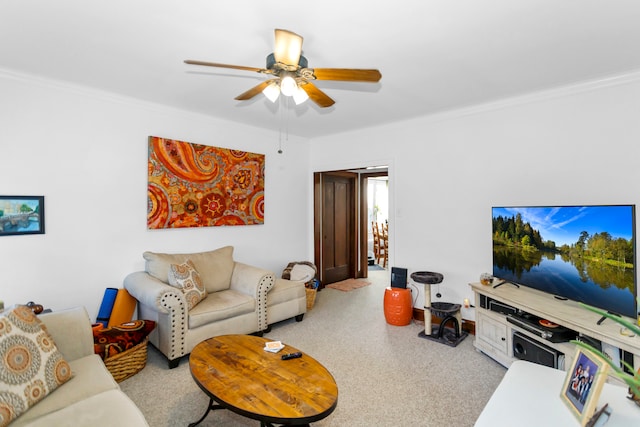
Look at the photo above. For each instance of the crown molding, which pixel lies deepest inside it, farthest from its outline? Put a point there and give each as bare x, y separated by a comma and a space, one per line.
541, 95
585, 86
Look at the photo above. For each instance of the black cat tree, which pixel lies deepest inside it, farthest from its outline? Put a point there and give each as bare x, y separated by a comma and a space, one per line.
448, 312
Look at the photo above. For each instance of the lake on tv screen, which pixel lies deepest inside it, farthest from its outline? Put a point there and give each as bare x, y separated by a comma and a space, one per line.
601, 286
584, 253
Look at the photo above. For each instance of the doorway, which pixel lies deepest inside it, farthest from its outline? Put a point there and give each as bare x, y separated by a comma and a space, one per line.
343, 214
335, 226
378, 221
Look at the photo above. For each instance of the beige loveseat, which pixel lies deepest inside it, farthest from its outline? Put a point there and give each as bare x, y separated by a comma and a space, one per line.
241, 299
91, 397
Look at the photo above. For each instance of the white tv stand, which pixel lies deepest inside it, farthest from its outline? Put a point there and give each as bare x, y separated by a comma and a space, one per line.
494, 334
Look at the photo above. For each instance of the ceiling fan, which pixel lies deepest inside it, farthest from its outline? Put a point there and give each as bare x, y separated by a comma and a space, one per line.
291, 76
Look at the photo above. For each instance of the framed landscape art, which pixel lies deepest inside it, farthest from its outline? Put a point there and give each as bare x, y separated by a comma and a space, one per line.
21, 215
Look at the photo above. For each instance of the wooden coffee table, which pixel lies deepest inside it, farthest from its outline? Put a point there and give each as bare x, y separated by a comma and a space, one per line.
238, 374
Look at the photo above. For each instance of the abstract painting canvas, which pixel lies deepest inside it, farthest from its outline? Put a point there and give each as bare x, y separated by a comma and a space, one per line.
193, 185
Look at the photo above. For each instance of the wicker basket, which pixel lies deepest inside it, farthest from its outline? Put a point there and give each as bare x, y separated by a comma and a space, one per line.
311, 297
128, 363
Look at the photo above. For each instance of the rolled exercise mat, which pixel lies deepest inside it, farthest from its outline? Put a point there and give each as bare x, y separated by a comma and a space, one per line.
123, 308
104, 313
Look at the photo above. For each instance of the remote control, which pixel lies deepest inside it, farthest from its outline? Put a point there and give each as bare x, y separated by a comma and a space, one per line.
291, 355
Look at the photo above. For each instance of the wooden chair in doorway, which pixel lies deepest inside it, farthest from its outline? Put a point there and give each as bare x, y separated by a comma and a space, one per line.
380, 244
376, 240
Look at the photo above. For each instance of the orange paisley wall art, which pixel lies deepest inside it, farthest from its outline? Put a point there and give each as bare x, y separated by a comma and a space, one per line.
193, 185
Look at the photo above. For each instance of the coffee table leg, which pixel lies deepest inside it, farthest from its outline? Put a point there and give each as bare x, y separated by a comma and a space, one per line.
212, 406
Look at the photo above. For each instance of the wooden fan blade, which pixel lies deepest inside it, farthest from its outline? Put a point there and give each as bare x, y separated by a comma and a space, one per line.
215, 64
288, 47
347, 74
317, 96
253, 91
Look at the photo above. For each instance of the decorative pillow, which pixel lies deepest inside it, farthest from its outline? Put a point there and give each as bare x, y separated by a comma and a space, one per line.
215, 267
30, 364
108, 342
185, 277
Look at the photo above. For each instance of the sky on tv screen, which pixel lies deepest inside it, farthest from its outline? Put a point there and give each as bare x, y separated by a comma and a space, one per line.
563, 225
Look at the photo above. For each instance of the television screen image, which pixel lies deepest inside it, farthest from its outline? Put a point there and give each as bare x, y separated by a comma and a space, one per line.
581, 253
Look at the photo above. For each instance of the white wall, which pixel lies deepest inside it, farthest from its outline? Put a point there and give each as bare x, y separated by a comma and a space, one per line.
573, 146
86, 152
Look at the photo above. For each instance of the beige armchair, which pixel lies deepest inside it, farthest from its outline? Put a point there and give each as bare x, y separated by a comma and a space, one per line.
235, 303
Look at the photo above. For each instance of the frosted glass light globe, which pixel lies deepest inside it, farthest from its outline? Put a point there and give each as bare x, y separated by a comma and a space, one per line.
288, 86
272, 92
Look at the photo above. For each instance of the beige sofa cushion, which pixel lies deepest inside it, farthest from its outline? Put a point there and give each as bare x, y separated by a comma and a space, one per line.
71, 330
220, 306
90, 377
285, 290
215, 267
110, 408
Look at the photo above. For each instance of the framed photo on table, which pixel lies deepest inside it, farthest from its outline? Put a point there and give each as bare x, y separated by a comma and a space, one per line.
21, 215
583, 384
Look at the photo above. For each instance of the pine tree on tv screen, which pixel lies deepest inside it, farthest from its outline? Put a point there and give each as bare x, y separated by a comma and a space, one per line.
583, 253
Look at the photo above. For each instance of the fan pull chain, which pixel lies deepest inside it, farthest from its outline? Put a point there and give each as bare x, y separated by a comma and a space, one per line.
284, 111
280, 127
286, 119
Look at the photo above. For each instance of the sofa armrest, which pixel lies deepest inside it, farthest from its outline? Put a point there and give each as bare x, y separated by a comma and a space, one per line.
152, 292
71, 331
256, 282
167, 306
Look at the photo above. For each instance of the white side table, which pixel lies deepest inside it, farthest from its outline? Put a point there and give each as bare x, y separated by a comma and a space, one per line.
529, 395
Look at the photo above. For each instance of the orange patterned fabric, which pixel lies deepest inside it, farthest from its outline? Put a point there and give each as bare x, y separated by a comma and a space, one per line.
108, 342
192, 185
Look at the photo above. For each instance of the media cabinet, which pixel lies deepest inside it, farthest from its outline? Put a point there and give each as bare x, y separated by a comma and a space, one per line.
495, 332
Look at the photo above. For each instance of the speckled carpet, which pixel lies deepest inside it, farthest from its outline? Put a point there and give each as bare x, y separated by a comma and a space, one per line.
386, 375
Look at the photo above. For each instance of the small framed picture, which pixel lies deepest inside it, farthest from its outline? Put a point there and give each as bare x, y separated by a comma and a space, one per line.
21, 215
583, 384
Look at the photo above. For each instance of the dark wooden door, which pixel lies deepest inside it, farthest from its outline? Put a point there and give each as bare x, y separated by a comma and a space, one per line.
335, 226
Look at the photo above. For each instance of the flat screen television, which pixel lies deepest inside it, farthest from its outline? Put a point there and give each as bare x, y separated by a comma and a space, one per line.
581, 253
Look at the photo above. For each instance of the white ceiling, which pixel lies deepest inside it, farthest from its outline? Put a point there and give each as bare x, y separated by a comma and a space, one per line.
434, 55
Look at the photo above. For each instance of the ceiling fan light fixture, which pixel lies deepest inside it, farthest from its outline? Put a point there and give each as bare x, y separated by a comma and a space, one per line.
288, 86
288, 47
300, 96
272, 92
289, 73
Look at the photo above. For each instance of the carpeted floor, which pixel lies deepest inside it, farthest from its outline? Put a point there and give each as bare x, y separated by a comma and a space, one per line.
386, 375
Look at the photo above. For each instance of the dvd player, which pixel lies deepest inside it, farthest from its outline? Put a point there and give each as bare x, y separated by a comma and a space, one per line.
497, 306
542, 328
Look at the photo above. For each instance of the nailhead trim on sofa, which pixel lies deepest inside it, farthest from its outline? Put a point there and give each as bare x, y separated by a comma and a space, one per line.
266, 283
171, 300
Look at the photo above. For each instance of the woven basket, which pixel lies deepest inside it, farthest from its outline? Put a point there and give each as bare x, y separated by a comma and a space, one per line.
128, 363
311, 297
